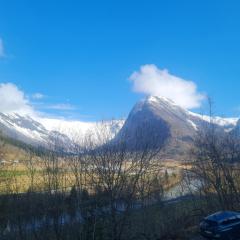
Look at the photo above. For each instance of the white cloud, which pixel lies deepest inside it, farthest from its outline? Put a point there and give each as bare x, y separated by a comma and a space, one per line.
151, 80
12, 99
37, 96
2, 52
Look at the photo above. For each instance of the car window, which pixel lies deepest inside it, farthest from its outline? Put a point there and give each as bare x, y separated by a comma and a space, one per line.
230, 221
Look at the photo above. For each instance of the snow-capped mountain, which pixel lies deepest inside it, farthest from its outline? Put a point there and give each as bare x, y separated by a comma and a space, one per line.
162, 123
47, 132
153, 116
77, 130
28, 130
23, 128
191, 117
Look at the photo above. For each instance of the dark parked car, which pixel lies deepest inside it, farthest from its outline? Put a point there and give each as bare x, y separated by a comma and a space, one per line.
221, 225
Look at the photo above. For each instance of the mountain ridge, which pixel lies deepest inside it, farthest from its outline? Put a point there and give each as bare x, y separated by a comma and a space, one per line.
166, 125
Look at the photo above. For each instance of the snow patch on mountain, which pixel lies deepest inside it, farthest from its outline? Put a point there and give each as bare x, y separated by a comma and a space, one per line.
217, 120
193, 124
220, 121
23, 127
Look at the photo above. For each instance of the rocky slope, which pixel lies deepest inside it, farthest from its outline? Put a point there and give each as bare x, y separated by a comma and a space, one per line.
159, 122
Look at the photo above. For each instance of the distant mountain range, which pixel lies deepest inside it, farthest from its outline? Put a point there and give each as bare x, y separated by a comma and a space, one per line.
46, 132
154, 118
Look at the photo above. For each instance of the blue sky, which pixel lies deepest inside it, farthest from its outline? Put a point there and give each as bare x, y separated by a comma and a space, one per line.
80, 54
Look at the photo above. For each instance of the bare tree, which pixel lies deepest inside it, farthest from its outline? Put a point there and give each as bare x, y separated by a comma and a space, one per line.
31, 165
216, 155
120, 175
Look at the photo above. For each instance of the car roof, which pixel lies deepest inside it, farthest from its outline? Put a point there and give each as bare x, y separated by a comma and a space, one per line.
222, 216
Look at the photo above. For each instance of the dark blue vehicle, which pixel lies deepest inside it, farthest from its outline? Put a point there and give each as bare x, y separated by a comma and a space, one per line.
223, 225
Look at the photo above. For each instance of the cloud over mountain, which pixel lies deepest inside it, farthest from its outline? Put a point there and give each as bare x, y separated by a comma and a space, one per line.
12, 99
151, 80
